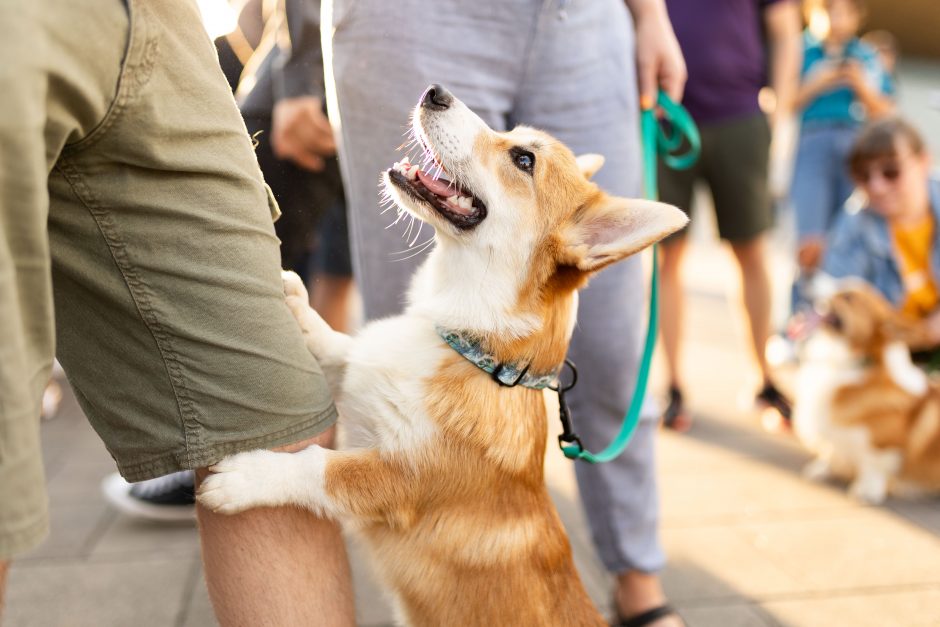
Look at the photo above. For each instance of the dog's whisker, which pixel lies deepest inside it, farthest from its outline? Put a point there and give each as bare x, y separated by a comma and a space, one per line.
417, 251
418, 234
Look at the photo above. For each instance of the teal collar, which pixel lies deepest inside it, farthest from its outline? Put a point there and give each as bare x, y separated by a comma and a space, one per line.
509, 375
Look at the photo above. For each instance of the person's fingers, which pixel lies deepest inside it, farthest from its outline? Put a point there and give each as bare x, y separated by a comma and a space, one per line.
674, 84
319, 120
647, 71
308, 160
322, 143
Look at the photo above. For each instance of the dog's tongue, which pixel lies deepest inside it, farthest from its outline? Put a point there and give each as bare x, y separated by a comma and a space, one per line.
441, 187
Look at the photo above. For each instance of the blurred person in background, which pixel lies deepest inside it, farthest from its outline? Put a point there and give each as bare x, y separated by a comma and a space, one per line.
842, 85
893, 242
729, 47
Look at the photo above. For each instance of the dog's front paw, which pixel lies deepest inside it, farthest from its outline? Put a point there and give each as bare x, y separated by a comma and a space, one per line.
245, 481
293, 285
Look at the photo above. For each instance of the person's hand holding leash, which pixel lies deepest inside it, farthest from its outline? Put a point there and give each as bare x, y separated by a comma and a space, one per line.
659, 59
301, 132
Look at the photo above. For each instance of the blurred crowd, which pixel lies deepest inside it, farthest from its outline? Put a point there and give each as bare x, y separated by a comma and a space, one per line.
861, 190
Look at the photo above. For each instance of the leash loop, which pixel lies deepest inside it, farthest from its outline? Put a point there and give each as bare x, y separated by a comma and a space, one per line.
657, 143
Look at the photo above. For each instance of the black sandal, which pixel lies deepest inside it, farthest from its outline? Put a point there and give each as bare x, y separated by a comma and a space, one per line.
647, 617
676, 417
771, 397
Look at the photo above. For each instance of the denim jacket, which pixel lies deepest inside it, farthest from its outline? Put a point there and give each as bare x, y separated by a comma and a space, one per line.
860, 246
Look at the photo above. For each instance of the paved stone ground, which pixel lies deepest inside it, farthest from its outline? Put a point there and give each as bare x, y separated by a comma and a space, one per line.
750, 542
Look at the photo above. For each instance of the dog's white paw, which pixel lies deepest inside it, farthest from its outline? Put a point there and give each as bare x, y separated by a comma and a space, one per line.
245, 481
293, 284
819, 470
869, 489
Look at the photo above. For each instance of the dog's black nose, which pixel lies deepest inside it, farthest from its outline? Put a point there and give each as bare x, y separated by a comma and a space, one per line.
437, 98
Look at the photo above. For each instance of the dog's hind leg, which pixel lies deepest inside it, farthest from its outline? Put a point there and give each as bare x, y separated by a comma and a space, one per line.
328, 346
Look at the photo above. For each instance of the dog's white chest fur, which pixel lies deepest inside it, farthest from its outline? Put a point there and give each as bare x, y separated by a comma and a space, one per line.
382, 403
827, 365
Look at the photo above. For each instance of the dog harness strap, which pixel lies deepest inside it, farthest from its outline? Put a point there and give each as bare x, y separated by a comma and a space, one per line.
507, 375
656, 144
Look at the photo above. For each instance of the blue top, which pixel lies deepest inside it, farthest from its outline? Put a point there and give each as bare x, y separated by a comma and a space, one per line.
861, 247
839, 105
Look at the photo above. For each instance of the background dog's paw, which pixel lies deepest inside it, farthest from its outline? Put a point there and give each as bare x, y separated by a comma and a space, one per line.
818, 470
242, 482
869, 490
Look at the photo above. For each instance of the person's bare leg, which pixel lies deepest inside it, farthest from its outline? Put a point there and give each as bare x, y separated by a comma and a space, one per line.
330, 296
276, 566
4, 567
671, 304
639, 592
755, 280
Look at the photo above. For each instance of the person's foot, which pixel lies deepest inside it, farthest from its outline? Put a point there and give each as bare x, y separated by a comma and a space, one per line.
167, 498
639, 601
676, 417
771, 398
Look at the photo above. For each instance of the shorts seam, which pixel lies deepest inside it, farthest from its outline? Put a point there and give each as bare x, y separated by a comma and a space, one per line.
136, 68
141, 295
190, 459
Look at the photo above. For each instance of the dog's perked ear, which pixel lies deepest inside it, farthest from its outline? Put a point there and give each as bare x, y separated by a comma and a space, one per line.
589, 164
612, 228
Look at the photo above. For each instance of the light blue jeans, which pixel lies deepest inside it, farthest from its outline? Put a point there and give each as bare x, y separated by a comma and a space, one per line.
821, 185
821, 182
567, 68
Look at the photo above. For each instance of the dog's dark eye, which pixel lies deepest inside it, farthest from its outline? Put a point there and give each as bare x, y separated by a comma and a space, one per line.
523, 159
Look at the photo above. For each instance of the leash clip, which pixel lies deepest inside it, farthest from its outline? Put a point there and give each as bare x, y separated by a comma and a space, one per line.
567, 436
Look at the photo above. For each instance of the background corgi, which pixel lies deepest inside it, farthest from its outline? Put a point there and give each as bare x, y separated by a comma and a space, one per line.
445, 474
862, 406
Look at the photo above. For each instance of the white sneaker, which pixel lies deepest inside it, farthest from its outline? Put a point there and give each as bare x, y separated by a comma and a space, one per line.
167, 498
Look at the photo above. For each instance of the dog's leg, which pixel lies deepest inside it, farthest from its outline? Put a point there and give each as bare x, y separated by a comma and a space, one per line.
357, 483
328, 346
876, 468
819, 470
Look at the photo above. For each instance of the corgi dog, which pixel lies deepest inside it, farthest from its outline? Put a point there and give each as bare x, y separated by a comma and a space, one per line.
866, 411
443, 474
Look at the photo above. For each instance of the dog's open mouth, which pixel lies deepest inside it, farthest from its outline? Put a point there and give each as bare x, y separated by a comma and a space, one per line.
456, 204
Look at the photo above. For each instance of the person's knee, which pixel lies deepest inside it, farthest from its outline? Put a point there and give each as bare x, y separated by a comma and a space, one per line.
750, 252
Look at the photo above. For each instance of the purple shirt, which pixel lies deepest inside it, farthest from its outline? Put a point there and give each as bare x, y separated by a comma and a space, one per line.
723, 45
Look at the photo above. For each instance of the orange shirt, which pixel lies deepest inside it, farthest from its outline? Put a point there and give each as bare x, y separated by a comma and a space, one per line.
912, 243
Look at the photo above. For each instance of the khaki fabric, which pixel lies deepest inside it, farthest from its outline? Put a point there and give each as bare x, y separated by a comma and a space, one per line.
134, 215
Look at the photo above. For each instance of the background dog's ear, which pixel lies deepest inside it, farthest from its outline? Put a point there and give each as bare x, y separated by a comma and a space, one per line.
613, 228
589, 164
911, 332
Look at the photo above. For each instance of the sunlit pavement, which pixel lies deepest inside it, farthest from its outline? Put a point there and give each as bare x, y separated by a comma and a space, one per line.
749, 541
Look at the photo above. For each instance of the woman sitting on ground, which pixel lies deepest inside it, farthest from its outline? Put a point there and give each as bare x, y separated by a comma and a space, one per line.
893, 242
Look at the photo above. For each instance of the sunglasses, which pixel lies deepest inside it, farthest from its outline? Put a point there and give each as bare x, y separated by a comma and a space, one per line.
890, 172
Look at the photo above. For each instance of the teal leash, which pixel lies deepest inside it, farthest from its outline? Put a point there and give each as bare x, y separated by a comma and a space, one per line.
656, 143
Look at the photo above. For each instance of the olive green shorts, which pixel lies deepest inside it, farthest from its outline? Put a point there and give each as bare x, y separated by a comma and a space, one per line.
734, 164
137, 244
